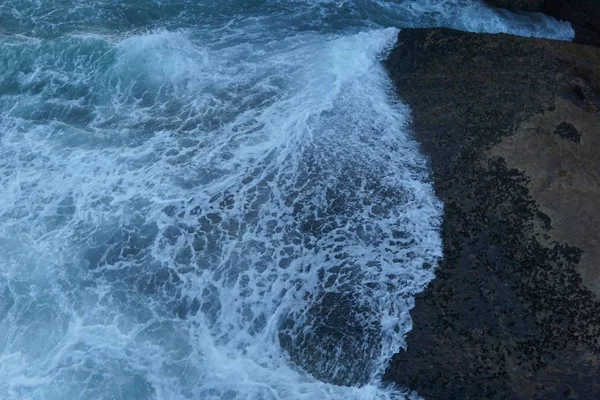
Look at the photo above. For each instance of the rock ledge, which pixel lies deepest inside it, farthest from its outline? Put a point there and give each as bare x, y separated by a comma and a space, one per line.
512, 129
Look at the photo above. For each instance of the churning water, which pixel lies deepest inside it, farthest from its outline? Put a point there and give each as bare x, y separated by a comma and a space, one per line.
212, 199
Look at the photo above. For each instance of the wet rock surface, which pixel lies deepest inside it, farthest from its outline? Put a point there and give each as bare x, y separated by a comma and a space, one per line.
512, 129
584, 15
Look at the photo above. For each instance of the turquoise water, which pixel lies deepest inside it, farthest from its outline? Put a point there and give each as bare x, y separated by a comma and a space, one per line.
212, 200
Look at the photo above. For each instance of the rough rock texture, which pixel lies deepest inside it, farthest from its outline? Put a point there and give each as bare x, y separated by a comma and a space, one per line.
584, 15
512, 129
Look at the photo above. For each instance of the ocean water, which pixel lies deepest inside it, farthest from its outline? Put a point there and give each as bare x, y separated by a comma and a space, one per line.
213, 199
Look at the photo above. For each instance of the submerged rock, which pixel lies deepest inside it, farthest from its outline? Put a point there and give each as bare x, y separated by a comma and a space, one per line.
584, 15
512, 129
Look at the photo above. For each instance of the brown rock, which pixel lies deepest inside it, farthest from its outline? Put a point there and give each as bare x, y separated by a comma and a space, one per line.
512, 129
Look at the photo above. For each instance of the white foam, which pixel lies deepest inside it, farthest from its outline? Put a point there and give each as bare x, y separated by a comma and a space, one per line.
181, 196
477, 16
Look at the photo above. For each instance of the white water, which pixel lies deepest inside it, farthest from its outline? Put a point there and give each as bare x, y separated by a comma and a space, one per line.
211, 213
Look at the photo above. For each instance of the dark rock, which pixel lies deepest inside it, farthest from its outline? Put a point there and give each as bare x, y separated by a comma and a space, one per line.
513, 312
584, 15
568, 132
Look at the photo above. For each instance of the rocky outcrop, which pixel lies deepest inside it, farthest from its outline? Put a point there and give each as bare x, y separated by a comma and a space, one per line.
584, 15
512, 129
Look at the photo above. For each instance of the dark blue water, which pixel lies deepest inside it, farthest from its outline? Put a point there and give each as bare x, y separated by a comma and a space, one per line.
212, 200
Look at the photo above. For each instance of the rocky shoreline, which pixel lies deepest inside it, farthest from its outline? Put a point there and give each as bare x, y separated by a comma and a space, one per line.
511, 127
